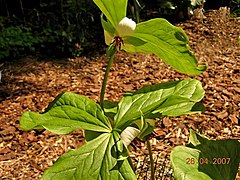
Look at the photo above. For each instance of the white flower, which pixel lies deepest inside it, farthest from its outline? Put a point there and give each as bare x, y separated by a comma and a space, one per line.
129, 134
124, 28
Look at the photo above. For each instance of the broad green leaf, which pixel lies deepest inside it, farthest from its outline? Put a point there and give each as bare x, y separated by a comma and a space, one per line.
80, 102
93, 161
67, 113
63, 120
184, 161
168, 42
206, 159
159, 100
114, 11
27, 121
82, 163
177, 105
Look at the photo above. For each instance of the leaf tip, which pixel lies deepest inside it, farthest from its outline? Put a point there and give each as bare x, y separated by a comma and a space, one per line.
202, 67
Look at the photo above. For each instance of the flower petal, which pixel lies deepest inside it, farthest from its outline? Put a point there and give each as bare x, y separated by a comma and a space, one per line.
128, 135
126, 27
108, 37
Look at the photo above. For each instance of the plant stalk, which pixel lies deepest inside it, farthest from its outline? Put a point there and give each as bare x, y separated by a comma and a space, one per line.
110, 53
151, 159
21, 5
136, 10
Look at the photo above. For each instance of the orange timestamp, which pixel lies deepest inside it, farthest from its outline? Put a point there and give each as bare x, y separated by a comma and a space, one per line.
208, 160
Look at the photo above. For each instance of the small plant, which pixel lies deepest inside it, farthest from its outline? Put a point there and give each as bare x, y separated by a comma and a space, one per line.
235, 7
63, 28
16, 41
110, 127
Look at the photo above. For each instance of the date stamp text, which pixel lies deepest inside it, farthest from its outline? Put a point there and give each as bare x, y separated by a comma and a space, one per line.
216, 161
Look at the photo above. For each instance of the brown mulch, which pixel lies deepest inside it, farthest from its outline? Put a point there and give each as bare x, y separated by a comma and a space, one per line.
31, 84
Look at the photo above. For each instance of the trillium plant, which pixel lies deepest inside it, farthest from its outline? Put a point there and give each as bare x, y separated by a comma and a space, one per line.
111, 126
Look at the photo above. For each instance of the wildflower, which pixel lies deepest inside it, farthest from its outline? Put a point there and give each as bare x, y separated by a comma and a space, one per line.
124, 28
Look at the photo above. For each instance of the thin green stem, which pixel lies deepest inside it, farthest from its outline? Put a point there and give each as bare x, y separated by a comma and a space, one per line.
151, 159
21, 5
110, 53
136, 10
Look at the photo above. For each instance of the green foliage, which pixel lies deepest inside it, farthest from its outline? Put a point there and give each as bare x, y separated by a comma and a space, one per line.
97, 159
168, 42
16, 41
134, 9
206, 159
108, 134
170, 9
61, 27
165, 99
110, 127
108, 8
70, 111
180, 8
72, 27
67, 113
235, 7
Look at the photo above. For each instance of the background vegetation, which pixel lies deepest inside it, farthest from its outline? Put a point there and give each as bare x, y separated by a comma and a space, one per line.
72, 27
55, 27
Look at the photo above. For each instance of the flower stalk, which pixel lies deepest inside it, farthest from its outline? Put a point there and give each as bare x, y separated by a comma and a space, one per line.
110, 54
151, 159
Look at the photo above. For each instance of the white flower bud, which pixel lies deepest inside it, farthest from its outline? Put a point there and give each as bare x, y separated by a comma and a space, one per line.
125, 27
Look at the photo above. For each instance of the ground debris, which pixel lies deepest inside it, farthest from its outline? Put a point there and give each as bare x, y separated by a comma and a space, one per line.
31, 84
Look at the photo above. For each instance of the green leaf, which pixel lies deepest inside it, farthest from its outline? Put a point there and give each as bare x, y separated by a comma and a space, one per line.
168, 42
90, 135
94, 160
115, 11
67, 113
107, 26
177, 105
206, 159
110, 108
80, 102
185, 165
146, 126
27, 121
111, 50
161, 99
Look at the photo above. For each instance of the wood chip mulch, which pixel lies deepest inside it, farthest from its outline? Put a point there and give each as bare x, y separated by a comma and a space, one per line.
31, 84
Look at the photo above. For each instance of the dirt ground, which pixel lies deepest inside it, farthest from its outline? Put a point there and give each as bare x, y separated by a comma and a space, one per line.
31, 84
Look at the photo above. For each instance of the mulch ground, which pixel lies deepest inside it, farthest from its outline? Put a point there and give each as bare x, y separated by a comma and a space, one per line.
31, 84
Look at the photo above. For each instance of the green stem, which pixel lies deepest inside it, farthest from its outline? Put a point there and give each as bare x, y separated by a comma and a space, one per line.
136, 10
110, 53
151, 159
